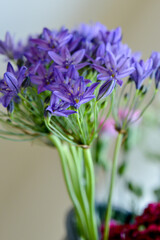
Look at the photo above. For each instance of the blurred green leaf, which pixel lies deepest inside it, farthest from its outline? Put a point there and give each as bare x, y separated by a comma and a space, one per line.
141, 228
135, 189
157, 194
153, 156
122, 168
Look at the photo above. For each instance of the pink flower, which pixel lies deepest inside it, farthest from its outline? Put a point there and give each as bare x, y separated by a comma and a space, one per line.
109, 126
131, 117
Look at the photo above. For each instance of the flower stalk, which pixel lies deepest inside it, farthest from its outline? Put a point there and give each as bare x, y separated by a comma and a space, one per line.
113, 174
81, 196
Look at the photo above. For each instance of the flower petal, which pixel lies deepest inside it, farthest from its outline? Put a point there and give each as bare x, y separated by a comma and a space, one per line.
126, 72
62, 96
78, 56
57, 59
65, 53
99, 68
11, 81
106, 89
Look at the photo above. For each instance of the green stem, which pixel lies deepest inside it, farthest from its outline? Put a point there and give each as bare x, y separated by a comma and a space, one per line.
80, 127
91, 190
82, 196
95, 117
114, 169
27, 101
130, 109
144, 109
57, 143
108, 113
55, 131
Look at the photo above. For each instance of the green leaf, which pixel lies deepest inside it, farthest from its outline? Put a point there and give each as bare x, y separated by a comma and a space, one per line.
157, 193
135, 189
122, 168
153, 156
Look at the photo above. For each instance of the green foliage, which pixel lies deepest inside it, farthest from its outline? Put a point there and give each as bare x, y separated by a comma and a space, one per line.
100, 152
157, 193
135, 189
122, 168
27, 120
153, 156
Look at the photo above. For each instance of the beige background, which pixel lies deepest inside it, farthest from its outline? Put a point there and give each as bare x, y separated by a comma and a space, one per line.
33, 199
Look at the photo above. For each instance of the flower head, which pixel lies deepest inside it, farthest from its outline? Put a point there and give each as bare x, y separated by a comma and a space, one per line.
11, 83
113, 36
142, 71
65, 59
8, 48
44, 77
50, 40
75, 90
116, 68
58, 107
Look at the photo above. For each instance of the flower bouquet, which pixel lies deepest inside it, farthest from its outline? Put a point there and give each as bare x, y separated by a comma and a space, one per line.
60, 88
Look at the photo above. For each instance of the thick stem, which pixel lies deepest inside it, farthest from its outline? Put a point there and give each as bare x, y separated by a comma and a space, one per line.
57, 143
114, 169
73, 176
91, 190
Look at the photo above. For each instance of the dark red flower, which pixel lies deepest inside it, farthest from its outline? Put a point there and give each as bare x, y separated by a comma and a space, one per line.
145, 227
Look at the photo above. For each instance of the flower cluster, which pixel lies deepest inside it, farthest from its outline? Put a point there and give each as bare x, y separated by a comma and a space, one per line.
146, 226
58, 60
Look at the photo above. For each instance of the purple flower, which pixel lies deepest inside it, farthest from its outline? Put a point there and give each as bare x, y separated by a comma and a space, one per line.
58, 108
35, 55
116, 68
113, 36
118, 50
91, 31
65, 59
89, 36
73, 89
50, 40
8, 48
142, 71
11, 84
78, 95
106, 89
135, 57
43, 77
157, 77
155, 56
62, 80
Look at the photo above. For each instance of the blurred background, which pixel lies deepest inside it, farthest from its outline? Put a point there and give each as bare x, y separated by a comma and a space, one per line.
33, 198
